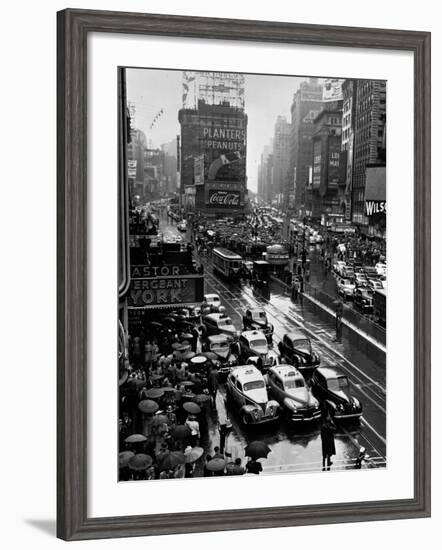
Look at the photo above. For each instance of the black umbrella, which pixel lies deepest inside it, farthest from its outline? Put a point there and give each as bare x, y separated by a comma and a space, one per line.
135, 438
180, 431
216, 464
148, 406
191, 407
154, 393
257, 449
140, 462
124, 457
172, 460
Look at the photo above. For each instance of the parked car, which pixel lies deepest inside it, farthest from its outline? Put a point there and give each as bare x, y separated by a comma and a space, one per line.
375, 284
256, 319
219, 323
370, 271
220, 346
363, 300
346, 289
253, 348
381, 269
211, 304
296, 349
347, 272
246, 388
360, 279
338, 265
287, 385
332, 389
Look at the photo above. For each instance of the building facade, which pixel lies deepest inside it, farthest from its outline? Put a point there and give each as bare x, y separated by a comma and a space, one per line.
347, 143
306, 105
369, 142
213, 147
324, 196
281, 159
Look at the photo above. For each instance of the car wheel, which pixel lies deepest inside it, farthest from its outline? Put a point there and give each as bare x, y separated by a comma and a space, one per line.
245, 419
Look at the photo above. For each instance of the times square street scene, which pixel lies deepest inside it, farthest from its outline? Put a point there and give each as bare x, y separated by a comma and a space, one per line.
252, 321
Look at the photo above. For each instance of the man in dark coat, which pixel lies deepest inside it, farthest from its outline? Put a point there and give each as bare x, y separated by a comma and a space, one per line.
328, 442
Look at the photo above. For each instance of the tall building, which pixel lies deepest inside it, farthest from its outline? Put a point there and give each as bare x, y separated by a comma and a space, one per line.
135, 160
324, 197
213, 144
281, 158
307, 103
369, 143
170, 167
347, 142
264, 183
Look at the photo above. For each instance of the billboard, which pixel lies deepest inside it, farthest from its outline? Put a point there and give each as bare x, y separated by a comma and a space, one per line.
332, 90
198, 170
174, 290
223, 198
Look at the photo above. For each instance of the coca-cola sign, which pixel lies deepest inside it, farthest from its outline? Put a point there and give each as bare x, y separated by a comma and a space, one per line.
224, 199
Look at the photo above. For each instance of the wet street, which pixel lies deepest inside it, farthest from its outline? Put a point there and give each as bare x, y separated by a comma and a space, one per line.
298, 448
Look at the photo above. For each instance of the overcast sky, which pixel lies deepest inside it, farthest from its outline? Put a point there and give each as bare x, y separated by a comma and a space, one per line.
266, 97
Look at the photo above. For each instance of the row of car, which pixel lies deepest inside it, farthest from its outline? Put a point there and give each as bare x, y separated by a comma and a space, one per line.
283, 391
264, 384
358, 283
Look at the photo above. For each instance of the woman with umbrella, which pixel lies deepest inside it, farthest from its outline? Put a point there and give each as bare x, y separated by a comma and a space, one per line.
194, 427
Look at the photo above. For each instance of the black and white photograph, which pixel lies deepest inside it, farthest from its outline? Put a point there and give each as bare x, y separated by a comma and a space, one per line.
253, 274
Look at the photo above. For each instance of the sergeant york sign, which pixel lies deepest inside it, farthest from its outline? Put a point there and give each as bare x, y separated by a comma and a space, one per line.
165, 291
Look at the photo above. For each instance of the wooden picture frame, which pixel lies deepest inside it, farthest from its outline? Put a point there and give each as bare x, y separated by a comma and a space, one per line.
73, 29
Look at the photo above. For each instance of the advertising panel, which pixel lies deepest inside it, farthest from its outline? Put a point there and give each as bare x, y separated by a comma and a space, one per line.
177, 291
222, 198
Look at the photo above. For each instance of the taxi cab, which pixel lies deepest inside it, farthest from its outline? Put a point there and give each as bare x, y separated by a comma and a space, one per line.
253, 348
247, 390
287, 385
218, 323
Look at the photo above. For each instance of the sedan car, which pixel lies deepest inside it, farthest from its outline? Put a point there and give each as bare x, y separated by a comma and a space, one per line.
182, 226
256, 319
246, 388
360, 280
375, 284
332, 389
218, 323
212, 302
253, 348
346, 289
363, 300
296, 349
287, 385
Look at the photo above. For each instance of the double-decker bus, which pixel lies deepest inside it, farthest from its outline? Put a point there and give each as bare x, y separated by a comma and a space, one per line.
226, 262
380, 306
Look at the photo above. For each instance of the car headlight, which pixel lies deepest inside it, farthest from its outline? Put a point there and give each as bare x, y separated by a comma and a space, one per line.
356, 402
340, 407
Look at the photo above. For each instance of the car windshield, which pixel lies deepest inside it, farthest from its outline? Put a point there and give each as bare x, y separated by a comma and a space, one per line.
293, 384
339, 383
224, 322
302, 344
258, 343
254, 385
219, 346
258, 315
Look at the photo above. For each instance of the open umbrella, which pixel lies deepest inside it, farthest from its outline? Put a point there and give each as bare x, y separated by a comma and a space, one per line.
154, 393
257, 449
188, 355
136, 382
186, 335
180, 431
148, 406
140, 462
172, 460
187, 395
155, 377
176, 345
135, 438
187, 383
216, 464
124, 457
198, 360
194, 454
191, 407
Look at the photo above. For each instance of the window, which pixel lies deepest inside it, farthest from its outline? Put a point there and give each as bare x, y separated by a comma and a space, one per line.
254, 385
